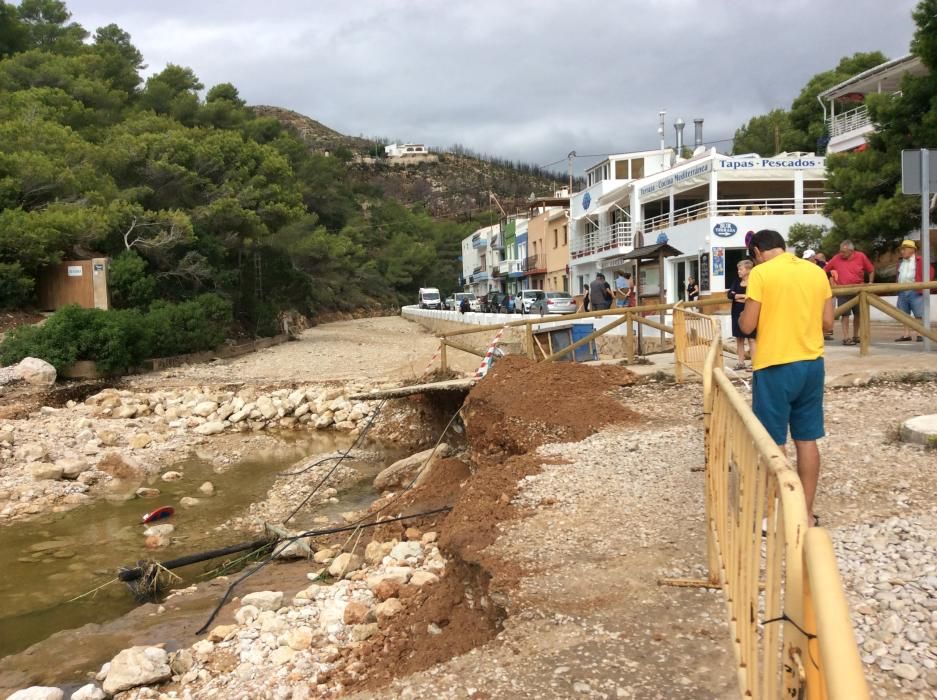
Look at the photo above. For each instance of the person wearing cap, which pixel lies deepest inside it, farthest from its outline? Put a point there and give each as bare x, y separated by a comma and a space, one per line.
911, 269
810, 254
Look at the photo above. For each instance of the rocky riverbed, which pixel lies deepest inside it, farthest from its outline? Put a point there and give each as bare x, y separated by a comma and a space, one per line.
57, 458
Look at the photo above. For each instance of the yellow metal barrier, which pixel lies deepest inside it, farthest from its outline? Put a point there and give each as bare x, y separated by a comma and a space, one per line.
788, 616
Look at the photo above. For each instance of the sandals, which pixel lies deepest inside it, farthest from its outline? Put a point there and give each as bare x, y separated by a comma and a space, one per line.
849, 341
740, 365
903, 339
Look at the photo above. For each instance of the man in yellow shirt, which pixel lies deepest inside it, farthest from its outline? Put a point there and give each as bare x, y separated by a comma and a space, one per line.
790, 303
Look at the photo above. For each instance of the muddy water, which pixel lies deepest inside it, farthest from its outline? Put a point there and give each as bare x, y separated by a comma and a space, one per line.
49, 561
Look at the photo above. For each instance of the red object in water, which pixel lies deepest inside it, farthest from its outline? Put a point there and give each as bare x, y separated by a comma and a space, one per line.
159, 514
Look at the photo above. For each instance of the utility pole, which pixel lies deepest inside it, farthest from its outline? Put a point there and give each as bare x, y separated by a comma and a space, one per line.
569, 157
925, 238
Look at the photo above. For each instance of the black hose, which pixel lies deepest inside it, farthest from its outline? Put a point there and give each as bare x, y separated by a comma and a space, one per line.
132, 574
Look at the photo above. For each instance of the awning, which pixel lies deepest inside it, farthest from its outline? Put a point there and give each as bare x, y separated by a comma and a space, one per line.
652, 252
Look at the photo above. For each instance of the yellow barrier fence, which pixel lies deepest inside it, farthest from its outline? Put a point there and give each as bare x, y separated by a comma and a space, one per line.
788, 617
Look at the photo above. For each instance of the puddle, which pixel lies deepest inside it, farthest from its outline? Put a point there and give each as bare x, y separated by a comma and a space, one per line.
49, 561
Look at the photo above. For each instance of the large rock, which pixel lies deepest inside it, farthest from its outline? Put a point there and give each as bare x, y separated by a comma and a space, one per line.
89, 692
137, 666
405, 550
264, 600
211, 428
344, 564
32, 452
34, 371
205, 408
44, 471
72, 468
139, 441
403, 471
38, 692
120, 467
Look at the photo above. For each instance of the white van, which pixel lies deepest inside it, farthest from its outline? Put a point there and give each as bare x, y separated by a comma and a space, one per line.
429, 298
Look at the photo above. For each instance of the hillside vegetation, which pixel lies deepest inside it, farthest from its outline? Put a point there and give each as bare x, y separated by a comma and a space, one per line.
190, 191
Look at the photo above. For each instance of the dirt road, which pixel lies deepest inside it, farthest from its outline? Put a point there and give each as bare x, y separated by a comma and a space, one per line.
379, 349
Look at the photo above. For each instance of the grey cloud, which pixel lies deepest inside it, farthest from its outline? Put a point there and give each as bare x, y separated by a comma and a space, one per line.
522, 79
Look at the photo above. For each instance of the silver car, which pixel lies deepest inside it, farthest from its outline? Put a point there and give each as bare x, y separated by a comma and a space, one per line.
553, 303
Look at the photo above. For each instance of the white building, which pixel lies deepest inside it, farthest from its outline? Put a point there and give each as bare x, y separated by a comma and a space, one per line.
479, 256
400, 150
847, 117
704, 207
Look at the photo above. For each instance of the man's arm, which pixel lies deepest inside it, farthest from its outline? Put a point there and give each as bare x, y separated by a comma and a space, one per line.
870, 268
827, 315
748, 321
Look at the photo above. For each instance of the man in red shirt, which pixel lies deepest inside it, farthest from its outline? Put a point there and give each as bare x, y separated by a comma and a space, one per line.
848, 267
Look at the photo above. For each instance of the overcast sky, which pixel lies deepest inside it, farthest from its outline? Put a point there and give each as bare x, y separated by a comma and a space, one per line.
524, 79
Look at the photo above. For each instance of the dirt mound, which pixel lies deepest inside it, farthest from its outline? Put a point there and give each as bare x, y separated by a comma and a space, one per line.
521, 404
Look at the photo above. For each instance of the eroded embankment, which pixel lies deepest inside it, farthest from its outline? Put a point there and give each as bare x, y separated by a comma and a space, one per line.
518, 407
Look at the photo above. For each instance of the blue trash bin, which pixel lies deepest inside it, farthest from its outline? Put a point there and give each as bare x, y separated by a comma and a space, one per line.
586, 352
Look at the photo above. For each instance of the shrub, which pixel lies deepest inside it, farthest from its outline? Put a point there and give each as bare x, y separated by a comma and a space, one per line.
16, 287
117, 340
131, 287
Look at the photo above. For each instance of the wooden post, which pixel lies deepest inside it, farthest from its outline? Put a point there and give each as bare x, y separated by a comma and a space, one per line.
865, 327
629, 340
531, 353
443, 364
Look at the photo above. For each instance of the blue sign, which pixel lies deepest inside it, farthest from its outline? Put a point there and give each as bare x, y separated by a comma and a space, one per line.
662, 238
586, 200
725, 229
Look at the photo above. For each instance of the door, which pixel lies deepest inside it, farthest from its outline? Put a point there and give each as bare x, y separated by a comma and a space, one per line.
733, 257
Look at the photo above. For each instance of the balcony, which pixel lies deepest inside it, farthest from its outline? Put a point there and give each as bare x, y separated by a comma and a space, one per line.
495, 271
479, 241
776, 206
847, 122
534, 265
511, 268
618, 238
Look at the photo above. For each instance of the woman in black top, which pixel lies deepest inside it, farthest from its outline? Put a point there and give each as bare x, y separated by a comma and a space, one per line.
737, 294
692, 289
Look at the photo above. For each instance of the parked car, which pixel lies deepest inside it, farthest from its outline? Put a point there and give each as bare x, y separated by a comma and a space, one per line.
449, 303
553, 303
526, 298
472, 300
495, 301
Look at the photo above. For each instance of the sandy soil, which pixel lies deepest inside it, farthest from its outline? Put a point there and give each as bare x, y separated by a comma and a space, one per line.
381, 349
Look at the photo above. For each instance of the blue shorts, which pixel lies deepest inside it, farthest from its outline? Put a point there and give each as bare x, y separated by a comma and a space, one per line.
790, 395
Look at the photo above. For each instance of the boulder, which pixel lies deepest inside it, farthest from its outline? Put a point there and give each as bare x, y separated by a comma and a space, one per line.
72, 468
137, 666
344, 564
32, 452
124, 411
139, 441
205, 408
147, 492
221, 632
119, 467
225, 411
89, 692
7, 435
182, 662
413, 533
171, 476
266, 408
108, 438
161, 529
207, 489
188, 501
211, 428
405, 550
157, 541
357, 613
299, 639
387, 609
43, 471
398, 574
403, 471
246, 614
374, 552
38, 692
263, 600
359, 633
422, 578
34, 371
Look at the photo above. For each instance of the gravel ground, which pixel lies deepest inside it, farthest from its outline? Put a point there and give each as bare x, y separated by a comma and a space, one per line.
588, 618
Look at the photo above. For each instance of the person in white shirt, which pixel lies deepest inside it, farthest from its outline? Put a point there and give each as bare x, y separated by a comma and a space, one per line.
622, 289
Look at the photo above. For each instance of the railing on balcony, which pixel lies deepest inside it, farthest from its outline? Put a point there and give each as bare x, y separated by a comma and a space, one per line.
771, 206
479, 242
496, 271
533, 264
853, 120
618, 235
511, 267
477, 270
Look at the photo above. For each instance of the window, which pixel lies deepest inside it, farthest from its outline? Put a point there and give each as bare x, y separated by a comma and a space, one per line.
565, 234
565, 283
556, 238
